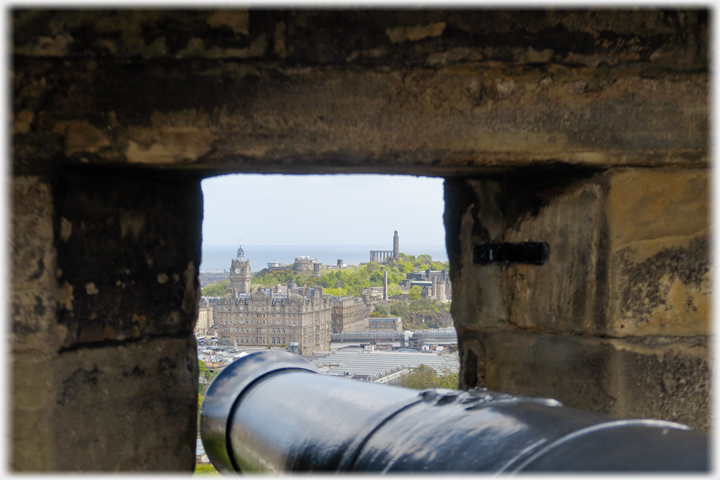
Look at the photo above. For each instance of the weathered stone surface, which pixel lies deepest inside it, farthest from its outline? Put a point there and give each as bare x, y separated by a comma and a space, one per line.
125, 408
659, 260
628, 259
473, 215
569, 292
261, 118
367, 37
118, 235
91, 409
434, 93
32, 408
628, 254
33, 260
573, 370
640, 198
665, 379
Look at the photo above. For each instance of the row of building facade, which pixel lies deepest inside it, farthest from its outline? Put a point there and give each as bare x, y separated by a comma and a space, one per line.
283, 314
263, 317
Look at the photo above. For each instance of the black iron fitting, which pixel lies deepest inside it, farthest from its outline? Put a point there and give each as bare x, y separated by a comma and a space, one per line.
531, 253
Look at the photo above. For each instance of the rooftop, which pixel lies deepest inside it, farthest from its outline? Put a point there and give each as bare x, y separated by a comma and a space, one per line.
357, 362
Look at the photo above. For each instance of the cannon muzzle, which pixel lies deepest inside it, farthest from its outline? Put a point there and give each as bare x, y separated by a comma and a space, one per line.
273, 412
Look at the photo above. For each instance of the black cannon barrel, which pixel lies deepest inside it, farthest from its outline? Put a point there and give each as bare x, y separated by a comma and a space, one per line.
272, 412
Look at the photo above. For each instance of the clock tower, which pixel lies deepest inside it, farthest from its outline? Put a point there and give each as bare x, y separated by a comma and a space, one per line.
240, 274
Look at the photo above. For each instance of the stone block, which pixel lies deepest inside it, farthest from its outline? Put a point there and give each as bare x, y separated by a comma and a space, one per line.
659, 255
33, 295
264, 116
130, 407
571, 369
665, 379
128, 253
32, 407
569, 292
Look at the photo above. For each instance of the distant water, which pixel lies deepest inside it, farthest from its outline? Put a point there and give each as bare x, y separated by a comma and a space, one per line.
218, 257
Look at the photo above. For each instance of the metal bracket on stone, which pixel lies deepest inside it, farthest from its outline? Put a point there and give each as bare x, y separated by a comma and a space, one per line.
532, 253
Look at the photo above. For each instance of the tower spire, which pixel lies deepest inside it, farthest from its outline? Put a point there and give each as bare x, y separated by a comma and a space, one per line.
240, 253
240, 273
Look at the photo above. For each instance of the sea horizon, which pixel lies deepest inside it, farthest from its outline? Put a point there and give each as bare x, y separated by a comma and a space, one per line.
218, 257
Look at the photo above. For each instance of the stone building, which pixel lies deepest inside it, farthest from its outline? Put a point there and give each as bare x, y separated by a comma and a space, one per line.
587, 129
265, 318
304, 263
372, 295
349, 315
436, 284
272, 316
382, 324
205, 316
439, 290
202, 326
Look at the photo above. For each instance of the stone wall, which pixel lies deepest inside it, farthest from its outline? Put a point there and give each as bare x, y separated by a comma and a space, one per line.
584, 129
422, 92
104, 301
617, 320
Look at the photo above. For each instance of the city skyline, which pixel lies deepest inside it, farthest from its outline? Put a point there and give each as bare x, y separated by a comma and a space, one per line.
322, 210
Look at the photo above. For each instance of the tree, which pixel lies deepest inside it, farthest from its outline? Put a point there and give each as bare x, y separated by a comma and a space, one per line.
425, 259
394, 289
424, 377
406, 267
372, 267
217, 289
448, 377
415, 293
399, 309
420, 378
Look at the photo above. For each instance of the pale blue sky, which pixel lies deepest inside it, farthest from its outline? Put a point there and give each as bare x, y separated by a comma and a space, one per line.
322, 210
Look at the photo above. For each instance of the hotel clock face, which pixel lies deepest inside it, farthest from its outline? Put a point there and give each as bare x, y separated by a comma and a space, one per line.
237, 271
